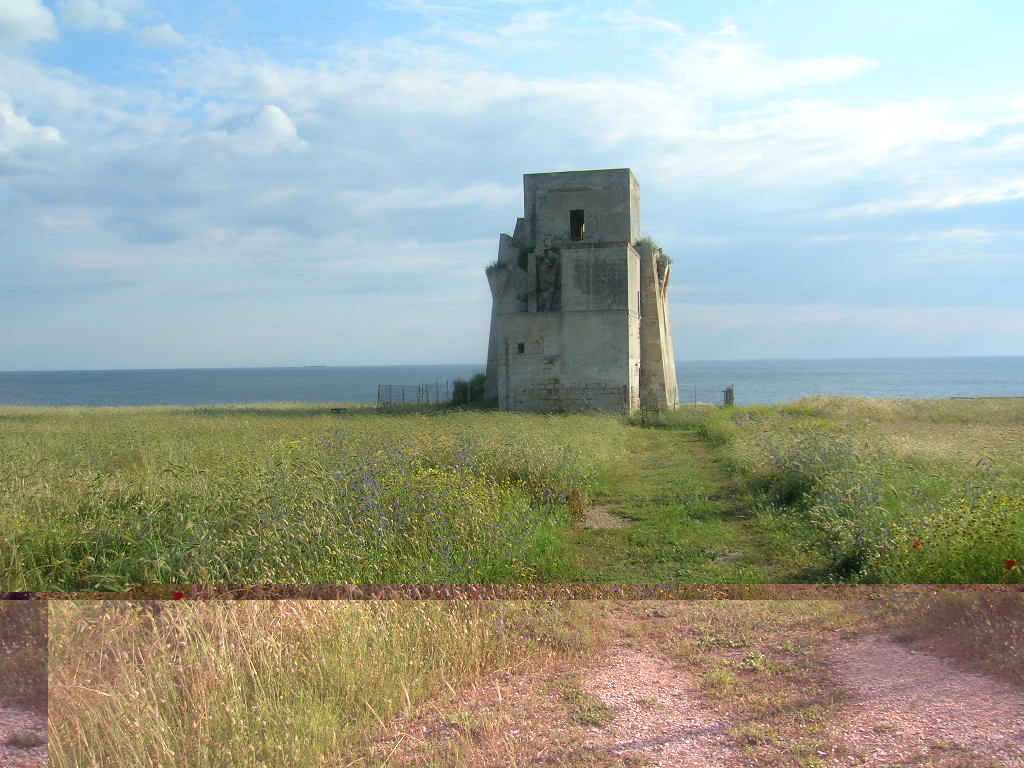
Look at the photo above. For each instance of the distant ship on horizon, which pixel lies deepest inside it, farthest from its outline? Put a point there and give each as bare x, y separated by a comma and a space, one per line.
314, 366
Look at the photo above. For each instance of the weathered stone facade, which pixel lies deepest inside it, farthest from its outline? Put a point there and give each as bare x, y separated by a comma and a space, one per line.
580, 316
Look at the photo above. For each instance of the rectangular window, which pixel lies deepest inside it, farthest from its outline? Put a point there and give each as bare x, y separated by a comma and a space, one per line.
522, 348
576, 224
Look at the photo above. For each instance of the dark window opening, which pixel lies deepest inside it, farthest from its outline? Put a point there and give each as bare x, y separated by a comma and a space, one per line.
576, 224
522, 348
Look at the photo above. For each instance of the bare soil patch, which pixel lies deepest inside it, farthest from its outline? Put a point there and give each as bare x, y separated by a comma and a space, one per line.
600, 517
912, 708
658, 714
22, 722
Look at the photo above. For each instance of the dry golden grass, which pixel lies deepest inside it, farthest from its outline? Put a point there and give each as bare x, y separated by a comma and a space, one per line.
942, 434
275, 683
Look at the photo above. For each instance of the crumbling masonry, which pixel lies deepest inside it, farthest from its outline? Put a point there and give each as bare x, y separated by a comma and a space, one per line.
580, 317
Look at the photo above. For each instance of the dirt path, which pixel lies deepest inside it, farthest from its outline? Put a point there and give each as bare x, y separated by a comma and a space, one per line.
901, 707
911, 705
695, 684
658, 714
22, 722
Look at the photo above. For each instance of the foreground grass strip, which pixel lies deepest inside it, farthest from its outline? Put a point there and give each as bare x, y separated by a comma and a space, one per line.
468, 683
102, 498
254, 683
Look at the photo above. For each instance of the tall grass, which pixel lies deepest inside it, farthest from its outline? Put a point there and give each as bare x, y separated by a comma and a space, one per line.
261, 683
102, 498
892, 491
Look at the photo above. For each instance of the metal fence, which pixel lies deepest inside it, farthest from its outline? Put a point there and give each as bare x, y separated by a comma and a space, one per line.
689, 395
410, 397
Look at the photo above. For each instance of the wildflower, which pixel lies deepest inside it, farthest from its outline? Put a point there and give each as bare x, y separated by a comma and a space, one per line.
179, 595
1011, 564
918, 545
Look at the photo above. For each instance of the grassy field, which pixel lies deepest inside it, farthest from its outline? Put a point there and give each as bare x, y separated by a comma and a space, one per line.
890, 491
101, 498
253, 684
824, 489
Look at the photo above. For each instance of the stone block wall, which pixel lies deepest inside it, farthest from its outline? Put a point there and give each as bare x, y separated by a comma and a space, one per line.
571, 298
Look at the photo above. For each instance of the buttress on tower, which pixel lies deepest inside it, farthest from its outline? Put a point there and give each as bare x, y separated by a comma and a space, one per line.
580, 318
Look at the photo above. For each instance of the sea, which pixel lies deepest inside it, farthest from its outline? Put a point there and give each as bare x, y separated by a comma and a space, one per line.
753, 382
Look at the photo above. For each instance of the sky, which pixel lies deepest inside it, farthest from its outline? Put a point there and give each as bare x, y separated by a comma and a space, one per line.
227, 183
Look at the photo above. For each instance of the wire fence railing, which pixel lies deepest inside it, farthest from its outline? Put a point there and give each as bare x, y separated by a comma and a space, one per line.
410, 397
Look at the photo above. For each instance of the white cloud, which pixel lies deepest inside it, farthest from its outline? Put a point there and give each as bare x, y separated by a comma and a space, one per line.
966, 234
25, 21
16, 131
730, 68
837, 238
929, 321
953, 197
436, 196
268, 130
160, 36
104, 15
633, 19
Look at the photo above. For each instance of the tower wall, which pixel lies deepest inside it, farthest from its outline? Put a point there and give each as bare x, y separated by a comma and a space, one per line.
567, 331
658, 386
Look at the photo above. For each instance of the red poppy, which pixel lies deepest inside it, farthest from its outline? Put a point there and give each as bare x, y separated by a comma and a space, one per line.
1011, 564
178, 595
918, 545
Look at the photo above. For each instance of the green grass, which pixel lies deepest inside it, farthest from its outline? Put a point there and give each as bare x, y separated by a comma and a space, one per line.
872, 490
103, 498
824, 489
688, 522
587, 710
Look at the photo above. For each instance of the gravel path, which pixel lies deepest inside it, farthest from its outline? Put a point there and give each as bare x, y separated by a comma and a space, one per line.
600, 517
20, 721
910, 704
658, 714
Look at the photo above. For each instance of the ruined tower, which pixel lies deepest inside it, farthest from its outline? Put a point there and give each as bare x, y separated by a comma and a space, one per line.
580, 318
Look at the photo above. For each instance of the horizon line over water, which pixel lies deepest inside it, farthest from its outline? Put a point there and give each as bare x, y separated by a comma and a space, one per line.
679, 364
761, 381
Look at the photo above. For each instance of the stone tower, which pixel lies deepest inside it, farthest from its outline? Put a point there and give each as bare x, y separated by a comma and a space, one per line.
580, 318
